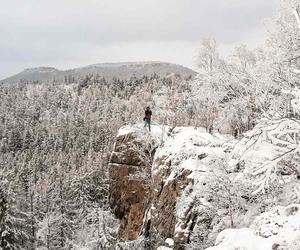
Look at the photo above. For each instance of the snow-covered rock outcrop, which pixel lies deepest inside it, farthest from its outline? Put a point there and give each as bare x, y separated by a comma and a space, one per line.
186, 185
180, 171
156, 195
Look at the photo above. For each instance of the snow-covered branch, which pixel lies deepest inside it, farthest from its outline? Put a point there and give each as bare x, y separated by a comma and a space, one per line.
297, 15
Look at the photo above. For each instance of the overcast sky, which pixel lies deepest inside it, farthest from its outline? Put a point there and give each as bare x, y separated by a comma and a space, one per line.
71, 33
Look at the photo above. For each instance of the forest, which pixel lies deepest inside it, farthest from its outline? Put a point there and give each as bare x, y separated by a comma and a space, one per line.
56, 137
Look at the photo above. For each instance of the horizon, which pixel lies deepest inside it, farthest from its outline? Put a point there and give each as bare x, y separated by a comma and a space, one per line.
102, 31
96, 64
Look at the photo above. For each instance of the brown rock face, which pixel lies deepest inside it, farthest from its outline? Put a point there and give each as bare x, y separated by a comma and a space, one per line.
129, 168
127, 198
164, 198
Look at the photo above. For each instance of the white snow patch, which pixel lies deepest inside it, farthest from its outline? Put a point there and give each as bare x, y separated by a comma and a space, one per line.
280, 226
185, 146
157, 132
188, 149
164, 248
232, 239
170, 242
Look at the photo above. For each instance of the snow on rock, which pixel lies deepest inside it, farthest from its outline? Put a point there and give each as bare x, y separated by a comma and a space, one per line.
180, 169
164, 248
277, 229
155, 178
161, 184
157, 132
170, 242
184, 147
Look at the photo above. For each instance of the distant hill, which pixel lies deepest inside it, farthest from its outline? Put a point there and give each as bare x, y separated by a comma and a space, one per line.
108, 70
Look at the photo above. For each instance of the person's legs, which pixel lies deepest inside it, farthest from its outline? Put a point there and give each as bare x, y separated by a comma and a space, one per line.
149, 124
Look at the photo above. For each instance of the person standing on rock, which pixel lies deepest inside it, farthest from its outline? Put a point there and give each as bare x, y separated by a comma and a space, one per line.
147, 118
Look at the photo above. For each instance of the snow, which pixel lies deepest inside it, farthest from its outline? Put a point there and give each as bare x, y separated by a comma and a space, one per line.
164, 248
184, 146
198, 152
188, 149
157, 132
295, 99
170, 242
120, 64
232, 239
280, 226
296, 102
297, 15
41, 70
265, 147
126, 130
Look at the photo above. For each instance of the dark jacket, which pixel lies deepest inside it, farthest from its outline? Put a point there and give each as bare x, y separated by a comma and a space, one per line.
148, 114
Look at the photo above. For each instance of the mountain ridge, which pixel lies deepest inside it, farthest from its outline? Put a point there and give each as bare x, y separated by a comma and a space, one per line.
109, 70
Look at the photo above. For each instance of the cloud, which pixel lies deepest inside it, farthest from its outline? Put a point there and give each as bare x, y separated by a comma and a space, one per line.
73, 32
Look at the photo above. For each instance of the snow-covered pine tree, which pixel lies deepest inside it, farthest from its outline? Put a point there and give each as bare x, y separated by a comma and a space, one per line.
14, 230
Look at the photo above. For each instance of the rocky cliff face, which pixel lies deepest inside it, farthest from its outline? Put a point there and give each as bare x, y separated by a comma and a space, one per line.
179, 173
154, 177
130, 180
